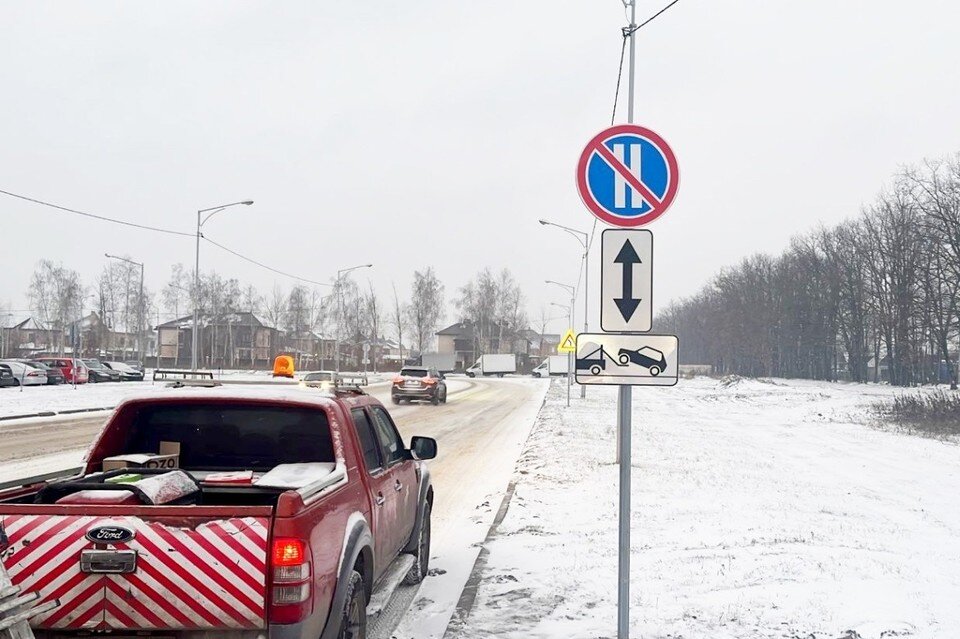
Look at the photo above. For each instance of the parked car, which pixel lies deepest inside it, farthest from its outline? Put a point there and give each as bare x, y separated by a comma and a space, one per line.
54, 376
6, 376
66, 366
100, 373
419, 383
24, 374
127, 374
135, 364
287, 510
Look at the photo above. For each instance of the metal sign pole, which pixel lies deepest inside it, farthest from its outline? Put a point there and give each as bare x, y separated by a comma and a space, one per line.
624, 410
624, 405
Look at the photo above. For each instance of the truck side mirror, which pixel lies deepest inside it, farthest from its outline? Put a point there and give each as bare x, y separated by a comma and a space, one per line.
423, 447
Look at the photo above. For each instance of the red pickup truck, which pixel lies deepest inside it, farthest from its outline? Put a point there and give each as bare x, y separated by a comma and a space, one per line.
284, 512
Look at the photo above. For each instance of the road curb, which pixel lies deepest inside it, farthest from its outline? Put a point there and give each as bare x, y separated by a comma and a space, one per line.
468, 597
50, 413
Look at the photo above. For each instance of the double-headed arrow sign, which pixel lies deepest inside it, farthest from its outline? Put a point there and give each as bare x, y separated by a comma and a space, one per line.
626, 281
627, 303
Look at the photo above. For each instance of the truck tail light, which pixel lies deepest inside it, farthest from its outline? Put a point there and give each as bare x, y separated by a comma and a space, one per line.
290, 588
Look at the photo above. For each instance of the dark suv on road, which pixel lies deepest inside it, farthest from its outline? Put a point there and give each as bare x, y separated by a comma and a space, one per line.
419, 383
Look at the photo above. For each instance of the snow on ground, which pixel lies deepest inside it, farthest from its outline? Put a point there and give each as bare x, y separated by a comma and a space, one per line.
760, 509
42, 464
37, 399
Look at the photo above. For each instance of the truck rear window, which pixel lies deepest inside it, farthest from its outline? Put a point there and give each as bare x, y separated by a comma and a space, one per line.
234, 437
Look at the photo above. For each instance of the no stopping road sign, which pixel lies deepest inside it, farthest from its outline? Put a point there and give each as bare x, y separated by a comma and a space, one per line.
627, 175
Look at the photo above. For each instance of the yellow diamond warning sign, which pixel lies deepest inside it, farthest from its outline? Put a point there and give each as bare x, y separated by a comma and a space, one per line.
568, 343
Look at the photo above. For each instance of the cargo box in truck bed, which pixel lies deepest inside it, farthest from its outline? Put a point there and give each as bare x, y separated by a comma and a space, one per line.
287, 509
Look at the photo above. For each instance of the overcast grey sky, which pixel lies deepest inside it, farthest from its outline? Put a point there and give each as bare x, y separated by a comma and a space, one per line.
435, 133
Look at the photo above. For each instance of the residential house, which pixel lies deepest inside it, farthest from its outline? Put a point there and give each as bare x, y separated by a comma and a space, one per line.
465, 341
231, 340
28, 337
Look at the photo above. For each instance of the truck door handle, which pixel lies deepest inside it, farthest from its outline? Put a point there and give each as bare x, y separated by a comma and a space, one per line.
380, 499
398, 486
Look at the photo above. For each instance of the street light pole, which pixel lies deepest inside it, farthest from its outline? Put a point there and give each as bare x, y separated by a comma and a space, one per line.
213, 210
340, 274
584, 239
139, 302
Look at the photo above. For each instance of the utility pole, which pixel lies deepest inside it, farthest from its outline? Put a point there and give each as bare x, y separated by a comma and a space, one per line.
625, 410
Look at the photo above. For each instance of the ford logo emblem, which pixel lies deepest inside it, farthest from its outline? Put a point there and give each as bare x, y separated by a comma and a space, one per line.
110, 535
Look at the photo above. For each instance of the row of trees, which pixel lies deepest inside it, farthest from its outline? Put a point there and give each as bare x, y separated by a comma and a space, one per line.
880, 288
346, 310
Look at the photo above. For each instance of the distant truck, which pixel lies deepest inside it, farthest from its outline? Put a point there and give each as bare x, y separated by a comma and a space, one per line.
442, 362
553, 365
498, 365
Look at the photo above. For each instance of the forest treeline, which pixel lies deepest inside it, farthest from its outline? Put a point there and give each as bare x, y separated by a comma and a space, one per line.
873, 299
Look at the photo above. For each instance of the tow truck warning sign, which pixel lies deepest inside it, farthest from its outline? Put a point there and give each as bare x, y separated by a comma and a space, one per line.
633, 360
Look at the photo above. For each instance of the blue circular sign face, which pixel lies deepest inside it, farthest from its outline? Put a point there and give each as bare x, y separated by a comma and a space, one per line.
627, 175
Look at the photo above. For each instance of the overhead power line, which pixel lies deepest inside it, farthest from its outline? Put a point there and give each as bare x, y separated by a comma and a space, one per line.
627, 31
145, 227
262, 265
94, 216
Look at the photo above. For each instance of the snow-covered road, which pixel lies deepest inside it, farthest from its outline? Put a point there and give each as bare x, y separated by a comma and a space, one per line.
760, 509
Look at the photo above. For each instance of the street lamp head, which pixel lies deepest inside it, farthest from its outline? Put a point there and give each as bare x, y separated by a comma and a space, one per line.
369, 265
247, 202
544, 222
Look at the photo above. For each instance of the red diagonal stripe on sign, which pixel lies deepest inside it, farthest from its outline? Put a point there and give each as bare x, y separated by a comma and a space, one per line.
204, 569
237, 545
211, 599
191, 579
228, 563
38, 544
51, 553
157, 599
626, 174
186, 599
95, 589
88, 615
139, 606
60, 566
125, 621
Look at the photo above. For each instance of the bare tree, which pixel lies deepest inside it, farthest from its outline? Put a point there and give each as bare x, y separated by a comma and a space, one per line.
57, 295
398, 318
425, 310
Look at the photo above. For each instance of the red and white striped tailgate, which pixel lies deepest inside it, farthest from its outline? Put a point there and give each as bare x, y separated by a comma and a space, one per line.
212, 575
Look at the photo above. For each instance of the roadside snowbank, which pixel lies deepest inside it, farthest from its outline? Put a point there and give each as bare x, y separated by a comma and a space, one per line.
760, 509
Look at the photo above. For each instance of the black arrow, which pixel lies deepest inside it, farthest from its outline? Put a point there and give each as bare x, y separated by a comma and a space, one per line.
628, 257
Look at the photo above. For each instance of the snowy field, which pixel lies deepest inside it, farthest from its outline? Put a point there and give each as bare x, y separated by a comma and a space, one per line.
760, 509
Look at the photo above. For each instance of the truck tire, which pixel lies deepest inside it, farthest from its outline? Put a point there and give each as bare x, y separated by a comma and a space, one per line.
396, 401
353, 622
421, 558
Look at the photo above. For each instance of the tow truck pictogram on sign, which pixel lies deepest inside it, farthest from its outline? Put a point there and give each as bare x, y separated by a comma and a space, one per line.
627, 360
627, 175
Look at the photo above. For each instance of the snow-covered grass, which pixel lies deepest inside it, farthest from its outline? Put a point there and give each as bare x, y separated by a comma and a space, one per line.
36, 399
760, 509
